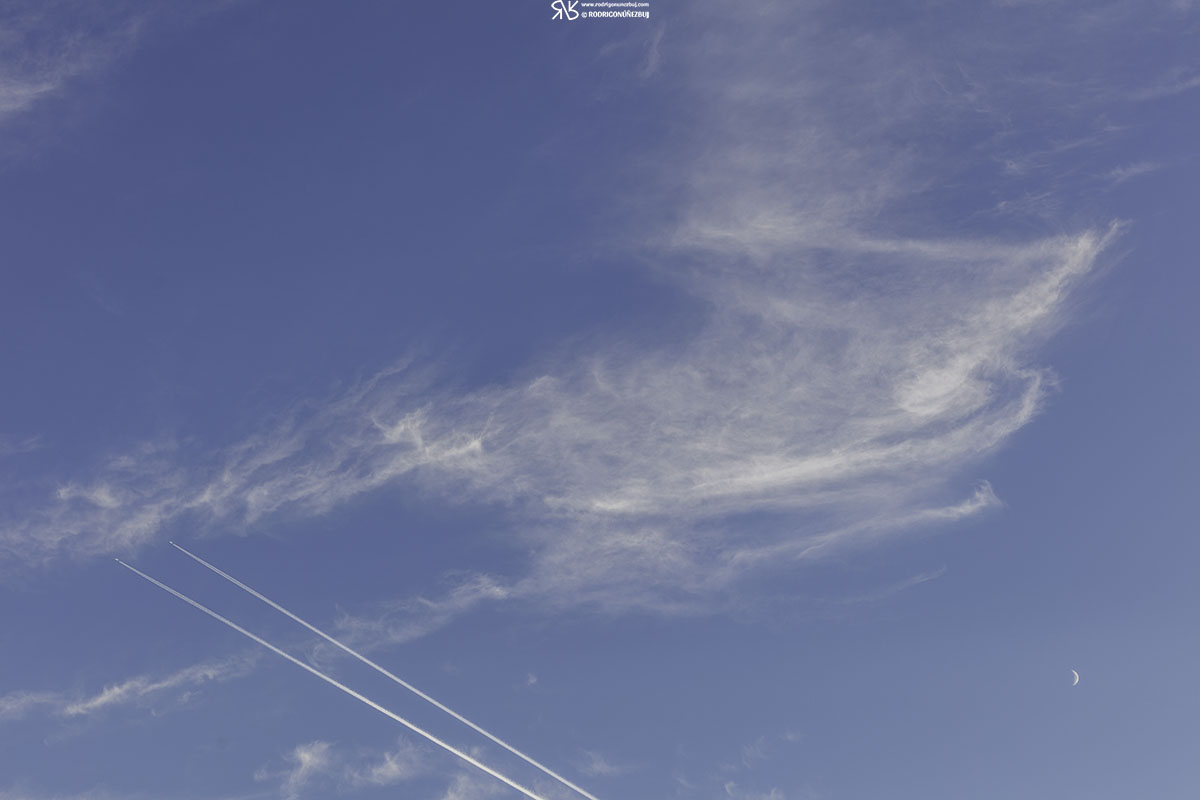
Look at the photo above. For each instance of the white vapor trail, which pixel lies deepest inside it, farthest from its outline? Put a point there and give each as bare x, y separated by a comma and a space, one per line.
351, 651
361, 698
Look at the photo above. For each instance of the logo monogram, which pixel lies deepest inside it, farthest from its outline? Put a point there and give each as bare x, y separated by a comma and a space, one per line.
565, 9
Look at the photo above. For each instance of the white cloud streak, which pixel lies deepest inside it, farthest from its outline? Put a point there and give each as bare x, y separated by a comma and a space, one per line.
16, 705
1177, 82
128, 692
12, 446
46, 45
1121, 174
893, 589
101, 794
142, 686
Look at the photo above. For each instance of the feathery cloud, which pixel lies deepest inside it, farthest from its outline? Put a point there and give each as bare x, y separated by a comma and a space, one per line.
319, 762
469, 787
1119, 175
595, 765
11, 446
16, 705
405, 762
308, 760
852, 355
46, 45
14, 793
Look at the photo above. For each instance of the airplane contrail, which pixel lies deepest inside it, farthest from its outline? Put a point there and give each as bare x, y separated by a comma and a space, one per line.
382, 671
361, 698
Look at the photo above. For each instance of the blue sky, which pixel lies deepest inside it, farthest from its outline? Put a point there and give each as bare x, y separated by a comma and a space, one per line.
762, 401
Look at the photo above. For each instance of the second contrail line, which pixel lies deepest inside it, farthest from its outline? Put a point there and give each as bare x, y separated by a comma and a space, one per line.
361, 698
351, 651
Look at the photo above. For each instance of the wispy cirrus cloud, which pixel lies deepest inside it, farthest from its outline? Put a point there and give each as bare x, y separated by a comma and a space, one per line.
405, 762
733, 790
742, 777
1119, 175
103, 794
46, 45
894, 588
321, 766
785, 404
49, 46
1177, 81
863, 331
305, 763
12, 446
15, 705
595, 765
139, 689
469, 787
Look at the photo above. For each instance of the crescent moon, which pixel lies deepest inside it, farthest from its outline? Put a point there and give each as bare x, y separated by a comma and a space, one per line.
1076, 674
